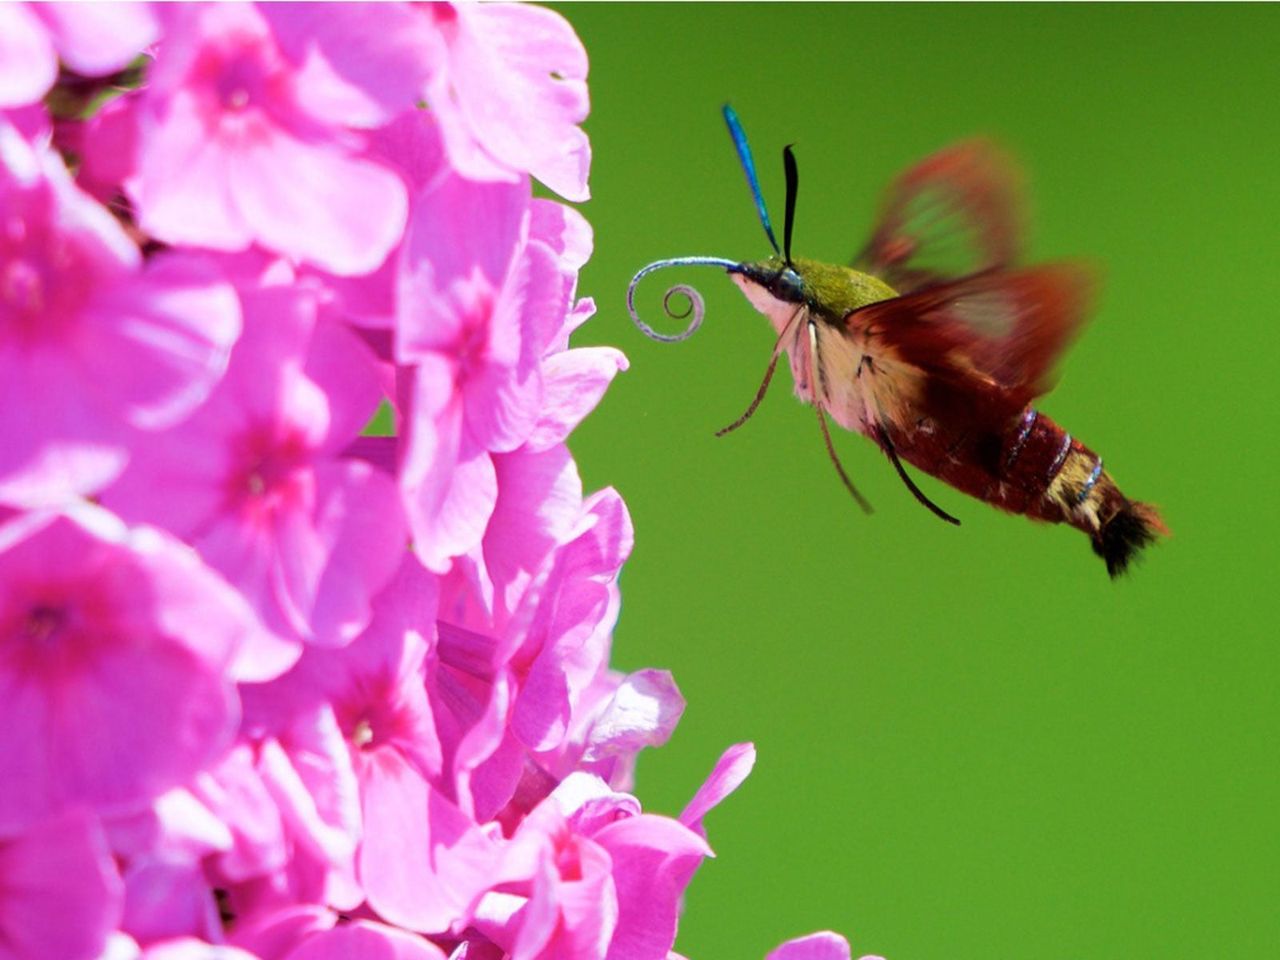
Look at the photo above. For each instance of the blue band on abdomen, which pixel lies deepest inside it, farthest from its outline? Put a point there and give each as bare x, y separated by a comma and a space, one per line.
1090, 483
1028, 421
1061, 457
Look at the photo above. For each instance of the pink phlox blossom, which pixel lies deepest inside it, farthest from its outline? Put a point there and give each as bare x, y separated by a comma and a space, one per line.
588, 875
114, 650
307, 771
539, 491
238, 144
256, 480
634, 711
510, 93
564, 622
60, 894
503, 695
421, 859
477, 302
92, 40
93, 346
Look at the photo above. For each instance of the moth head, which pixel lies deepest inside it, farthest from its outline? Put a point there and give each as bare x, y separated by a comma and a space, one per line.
773, 285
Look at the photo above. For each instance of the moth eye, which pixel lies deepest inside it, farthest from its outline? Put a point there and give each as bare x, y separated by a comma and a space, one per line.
787, 286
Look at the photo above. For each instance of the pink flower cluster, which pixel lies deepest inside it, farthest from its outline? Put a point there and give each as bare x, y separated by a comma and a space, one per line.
271, 687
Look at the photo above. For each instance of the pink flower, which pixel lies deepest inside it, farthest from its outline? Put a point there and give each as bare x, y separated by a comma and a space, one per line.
92, 347
91, 40
60, 895
238, 144
114, 648
477, 304
257, 482
510, 94
587, 875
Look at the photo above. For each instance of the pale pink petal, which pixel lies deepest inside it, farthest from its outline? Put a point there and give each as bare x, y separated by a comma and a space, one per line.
539, 501
276, 184
26, 50
643, 712
573, 383
189, 948
60, 894
176, 327
99, 38
182, 191
520, 77
730, 770
362, 938
824, 945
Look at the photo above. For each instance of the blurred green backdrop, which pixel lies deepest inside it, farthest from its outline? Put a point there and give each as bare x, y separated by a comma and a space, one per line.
971, 743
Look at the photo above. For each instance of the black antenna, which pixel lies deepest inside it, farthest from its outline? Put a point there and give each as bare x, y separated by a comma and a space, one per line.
793, 186
749, 168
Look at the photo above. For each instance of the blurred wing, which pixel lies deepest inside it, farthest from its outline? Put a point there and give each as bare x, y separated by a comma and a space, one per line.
977, 349
953, 214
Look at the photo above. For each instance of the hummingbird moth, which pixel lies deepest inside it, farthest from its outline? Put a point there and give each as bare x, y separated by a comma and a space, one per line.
933, 342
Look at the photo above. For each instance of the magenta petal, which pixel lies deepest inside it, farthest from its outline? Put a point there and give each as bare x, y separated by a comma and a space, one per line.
573, 383
730, 770
816, 946
423, 862
539, 500
364, 939
166, 340
26, 50
653, 860
60, 894
164, 900
271, 936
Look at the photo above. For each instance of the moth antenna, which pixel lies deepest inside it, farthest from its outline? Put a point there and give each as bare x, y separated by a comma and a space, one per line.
697, 306
749, 168
831, 452
889, 448
793, 187
764, 384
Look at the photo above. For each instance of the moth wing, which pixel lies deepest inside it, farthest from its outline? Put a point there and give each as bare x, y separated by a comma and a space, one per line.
977, 350
955, 213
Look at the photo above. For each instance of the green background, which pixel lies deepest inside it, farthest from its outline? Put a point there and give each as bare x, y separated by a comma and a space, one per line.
971, 743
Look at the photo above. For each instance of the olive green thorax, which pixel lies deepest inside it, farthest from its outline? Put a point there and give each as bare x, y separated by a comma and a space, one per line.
829, 290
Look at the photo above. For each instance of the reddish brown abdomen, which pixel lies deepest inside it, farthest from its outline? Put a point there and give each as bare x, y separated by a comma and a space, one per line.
1036, 468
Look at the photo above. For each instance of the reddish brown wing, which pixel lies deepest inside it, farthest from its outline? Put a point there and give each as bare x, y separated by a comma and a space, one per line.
953, 214
981, 347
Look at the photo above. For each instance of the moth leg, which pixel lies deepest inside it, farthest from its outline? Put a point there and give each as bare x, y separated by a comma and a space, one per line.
764, 384
883, 436
815, 385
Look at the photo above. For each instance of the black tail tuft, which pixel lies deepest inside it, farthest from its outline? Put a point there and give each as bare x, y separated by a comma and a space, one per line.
1134, 526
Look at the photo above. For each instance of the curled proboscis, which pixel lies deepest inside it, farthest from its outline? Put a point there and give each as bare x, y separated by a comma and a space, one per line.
696, 307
